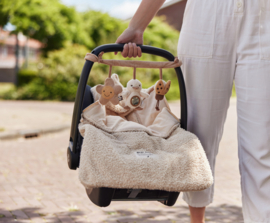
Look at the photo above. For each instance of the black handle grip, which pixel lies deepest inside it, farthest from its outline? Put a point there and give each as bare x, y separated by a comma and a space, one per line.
85, 74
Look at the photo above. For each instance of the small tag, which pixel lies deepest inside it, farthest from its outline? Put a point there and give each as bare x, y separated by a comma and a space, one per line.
144, 154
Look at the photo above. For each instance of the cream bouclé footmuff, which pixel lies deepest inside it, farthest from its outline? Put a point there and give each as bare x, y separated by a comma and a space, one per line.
140, 149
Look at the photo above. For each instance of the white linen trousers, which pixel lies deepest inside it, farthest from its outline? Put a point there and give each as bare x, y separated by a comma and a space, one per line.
222, 41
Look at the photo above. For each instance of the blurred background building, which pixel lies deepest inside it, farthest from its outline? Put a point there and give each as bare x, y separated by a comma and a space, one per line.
29, 50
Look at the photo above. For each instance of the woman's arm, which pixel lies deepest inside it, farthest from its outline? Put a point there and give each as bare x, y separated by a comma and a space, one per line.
134, 33
144, 14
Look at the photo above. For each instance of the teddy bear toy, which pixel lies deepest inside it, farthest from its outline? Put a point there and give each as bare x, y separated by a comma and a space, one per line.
132, 96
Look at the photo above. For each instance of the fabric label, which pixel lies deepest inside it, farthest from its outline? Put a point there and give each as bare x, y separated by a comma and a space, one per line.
144, 154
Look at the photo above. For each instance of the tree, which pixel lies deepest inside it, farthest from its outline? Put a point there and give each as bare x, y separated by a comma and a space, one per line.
7, 8
101, 27
48, 21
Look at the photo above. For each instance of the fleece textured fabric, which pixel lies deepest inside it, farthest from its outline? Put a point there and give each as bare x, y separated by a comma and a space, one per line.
119, 153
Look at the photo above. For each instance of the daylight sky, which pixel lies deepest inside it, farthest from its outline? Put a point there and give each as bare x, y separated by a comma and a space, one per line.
122, 9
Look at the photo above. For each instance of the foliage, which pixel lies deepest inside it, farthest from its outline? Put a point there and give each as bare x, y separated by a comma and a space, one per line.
58, 78
60, 27
101, 27
25, 76
233, 90
55, 24
48, 21
6, 87
160, 34
4, 12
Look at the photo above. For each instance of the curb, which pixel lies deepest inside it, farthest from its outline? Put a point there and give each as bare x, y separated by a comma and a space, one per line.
32, 132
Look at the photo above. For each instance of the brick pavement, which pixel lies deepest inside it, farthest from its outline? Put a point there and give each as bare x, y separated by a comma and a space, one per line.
37, 186
31, 115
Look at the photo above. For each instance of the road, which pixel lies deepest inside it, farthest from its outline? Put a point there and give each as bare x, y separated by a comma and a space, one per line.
37, 186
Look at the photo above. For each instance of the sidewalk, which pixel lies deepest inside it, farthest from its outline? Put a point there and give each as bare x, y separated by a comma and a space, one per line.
37, 186
19, 118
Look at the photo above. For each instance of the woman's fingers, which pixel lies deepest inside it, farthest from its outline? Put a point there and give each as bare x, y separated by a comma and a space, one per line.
131, 50
139, 51
125, 50
135, 50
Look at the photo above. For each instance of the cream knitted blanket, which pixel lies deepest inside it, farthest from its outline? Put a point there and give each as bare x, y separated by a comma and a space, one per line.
118, 153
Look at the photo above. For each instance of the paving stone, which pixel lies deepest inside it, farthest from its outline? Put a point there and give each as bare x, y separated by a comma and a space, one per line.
5, 213
20, 202
19, 214
65, 219
7, 220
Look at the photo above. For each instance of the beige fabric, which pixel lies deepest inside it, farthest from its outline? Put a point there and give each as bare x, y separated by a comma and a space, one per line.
111, 155
117, 143
133, 63
162, 126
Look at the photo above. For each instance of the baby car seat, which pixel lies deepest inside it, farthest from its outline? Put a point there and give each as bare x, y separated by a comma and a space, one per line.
103, 196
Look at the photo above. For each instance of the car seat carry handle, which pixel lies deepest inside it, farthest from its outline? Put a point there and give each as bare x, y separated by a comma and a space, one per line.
133, 63
75, 139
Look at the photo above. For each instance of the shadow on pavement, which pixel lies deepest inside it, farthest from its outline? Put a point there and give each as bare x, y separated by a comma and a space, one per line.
21, 215
218, 214
214, 214
224, 213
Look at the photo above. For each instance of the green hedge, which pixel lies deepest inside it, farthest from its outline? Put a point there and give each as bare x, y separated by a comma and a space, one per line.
25, 76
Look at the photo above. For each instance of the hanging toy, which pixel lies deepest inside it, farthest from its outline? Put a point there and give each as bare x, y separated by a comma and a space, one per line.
133, 95
161, 88
109, 91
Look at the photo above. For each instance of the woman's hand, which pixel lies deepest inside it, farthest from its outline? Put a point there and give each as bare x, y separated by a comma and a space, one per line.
134, 33
132, 37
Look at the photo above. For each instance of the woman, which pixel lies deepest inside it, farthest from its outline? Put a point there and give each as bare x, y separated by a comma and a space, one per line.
222, 41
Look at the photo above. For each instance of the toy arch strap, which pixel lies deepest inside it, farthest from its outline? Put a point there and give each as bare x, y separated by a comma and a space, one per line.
133, 63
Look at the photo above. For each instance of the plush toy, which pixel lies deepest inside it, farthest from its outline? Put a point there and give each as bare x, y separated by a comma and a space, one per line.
109, 92
133, 95
161, 88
